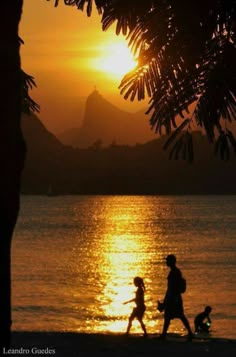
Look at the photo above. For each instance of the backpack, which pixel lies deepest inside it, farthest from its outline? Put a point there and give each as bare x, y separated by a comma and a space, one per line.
182, 285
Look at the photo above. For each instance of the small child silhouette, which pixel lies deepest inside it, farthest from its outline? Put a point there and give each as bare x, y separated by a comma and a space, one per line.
140, 308
202, 321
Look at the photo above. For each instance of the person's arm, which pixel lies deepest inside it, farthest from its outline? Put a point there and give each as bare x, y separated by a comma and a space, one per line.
127, 302
208, 319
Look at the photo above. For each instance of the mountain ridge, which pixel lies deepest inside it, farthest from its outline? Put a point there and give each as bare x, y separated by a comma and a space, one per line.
106, 122
120, 169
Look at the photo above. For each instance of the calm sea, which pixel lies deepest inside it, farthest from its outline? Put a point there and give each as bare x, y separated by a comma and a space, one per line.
74, 259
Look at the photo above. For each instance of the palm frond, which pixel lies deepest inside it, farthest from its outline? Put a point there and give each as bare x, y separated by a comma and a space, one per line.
183, 148
176, 149
176, 133
218, 99
231, 140
196, 63
225, 143
139, 83
28, 104
80, 4
222, 146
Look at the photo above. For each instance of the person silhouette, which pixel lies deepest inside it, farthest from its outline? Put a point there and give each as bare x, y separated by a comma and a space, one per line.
173, 303
140, 308
202, 321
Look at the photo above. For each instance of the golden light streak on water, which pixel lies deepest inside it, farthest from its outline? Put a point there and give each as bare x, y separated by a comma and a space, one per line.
123, 256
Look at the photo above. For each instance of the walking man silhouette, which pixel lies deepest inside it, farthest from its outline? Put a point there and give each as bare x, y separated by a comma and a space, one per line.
173, 303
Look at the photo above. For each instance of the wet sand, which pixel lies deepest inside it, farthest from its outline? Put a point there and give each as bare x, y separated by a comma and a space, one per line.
116, 345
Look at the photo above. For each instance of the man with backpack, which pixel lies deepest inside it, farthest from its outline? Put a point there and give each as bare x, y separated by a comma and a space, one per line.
173, 303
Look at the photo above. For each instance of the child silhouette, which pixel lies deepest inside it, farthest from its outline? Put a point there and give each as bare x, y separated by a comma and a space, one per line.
140, 308
202, 321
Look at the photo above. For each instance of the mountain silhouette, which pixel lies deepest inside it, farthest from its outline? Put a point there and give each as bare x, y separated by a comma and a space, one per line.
105, 122
38, 138
44, 155
120, 169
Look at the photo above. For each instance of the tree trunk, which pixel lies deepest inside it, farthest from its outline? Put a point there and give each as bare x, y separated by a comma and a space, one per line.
12, 151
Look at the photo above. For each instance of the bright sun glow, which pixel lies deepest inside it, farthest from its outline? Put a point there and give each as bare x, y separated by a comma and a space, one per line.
115, 59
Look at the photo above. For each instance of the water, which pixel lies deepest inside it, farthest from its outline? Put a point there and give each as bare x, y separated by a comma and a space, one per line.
75, 257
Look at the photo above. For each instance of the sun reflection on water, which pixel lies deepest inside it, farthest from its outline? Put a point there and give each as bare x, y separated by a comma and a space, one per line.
122, 257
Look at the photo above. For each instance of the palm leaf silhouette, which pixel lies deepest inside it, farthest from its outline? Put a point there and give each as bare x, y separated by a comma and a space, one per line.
28, 104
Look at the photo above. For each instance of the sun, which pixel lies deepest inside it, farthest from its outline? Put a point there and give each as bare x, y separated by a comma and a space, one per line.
115, 59
119, 60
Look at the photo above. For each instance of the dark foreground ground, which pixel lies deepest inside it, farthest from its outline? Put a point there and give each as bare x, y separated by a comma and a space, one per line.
113, 345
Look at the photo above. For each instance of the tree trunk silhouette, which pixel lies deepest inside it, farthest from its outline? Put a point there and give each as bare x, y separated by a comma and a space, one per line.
12, 151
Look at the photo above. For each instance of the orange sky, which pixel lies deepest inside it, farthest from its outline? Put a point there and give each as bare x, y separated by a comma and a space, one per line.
64, 50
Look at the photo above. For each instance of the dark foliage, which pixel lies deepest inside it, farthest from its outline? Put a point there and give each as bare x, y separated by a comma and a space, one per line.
28, 104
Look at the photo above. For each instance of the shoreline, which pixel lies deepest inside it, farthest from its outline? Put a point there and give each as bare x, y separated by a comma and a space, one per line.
67, 344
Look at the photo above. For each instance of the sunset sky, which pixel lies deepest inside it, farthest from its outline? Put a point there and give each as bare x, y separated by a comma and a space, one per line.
68, 55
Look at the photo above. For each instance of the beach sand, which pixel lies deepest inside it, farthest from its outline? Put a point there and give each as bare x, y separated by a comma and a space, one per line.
116, 345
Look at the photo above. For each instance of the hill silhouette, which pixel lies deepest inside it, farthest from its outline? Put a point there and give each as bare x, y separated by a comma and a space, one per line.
44, 153
120, 169
105, 122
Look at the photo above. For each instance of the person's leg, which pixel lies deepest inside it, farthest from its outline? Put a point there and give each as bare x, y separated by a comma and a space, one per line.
129, 324
131, 318
187, 326
143, 326
165, 327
